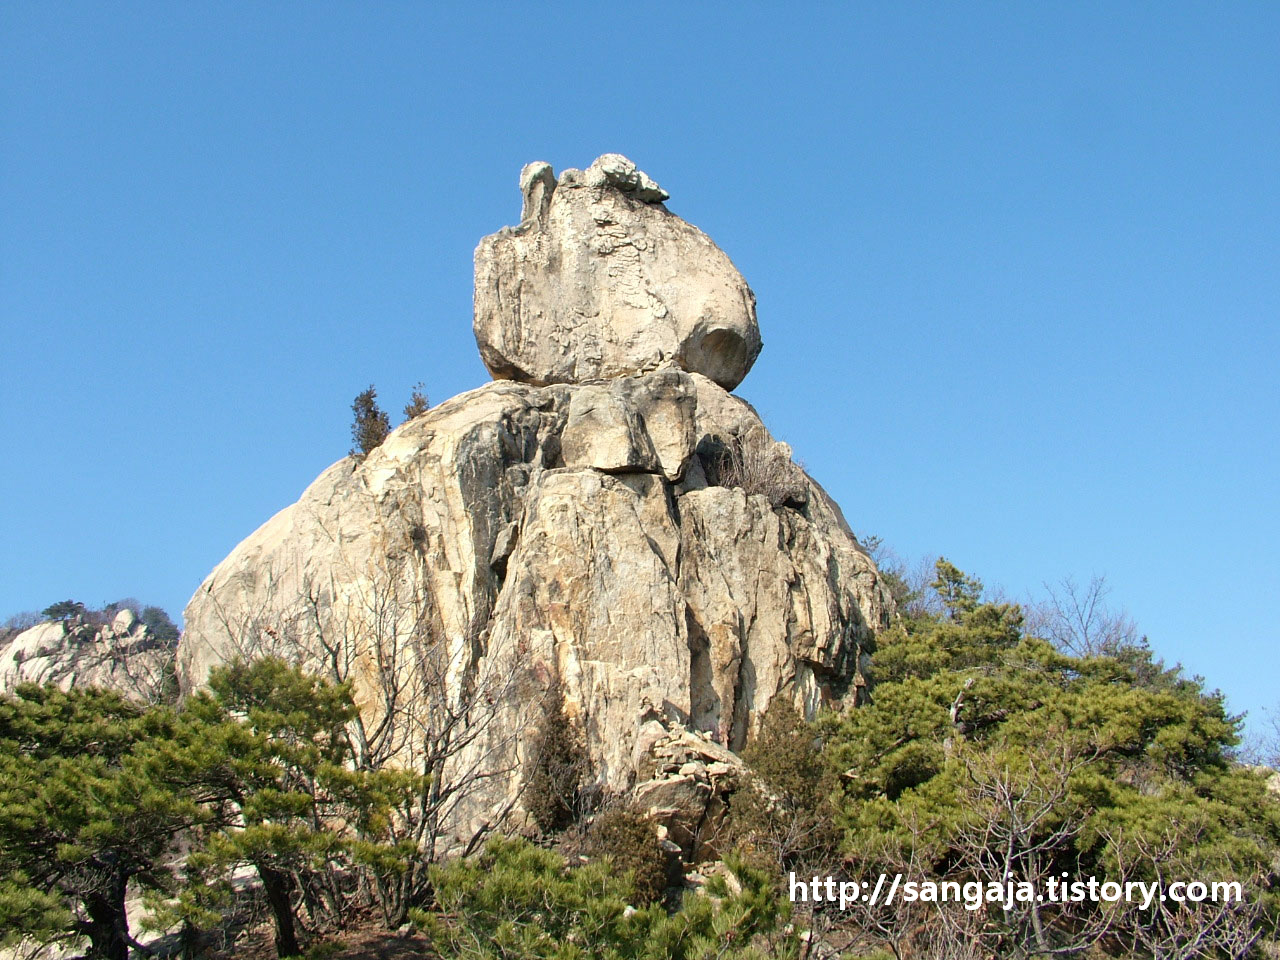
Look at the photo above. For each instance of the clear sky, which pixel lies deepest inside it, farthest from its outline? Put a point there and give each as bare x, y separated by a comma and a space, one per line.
1016, 267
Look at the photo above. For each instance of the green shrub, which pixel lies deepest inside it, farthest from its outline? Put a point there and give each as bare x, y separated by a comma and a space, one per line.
552, 791
784, 820
630, 842
517, 900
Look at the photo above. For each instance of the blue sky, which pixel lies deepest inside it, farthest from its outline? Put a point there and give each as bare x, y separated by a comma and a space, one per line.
1016, 267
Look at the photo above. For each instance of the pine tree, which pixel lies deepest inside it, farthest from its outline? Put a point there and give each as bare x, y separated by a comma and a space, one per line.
63, 610
81, 817
959, 592
371, 424
986, 754
268, 749
159, 624
518, 900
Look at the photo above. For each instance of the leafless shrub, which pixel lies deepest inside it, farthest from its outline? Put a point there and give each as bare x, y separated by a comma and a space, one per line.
903, 928
1184, 930
20, 622
442, 708
909, 581
756, 465
1020, 818
1263, 745
1079, 621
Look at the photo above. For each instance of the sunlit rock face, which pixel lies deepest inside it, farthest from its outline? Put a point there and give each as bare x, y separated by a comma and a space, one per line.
122, 655
604, 520
600, 280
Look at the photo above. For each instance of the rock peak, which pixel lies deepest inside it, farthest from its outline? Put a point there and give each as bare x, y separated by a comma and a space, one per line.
615, 170
600, 280
603, 533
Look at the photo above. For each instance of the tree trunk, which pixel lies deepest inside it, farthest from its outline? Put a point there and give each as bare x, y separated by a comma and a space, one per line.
108, 926
276, 886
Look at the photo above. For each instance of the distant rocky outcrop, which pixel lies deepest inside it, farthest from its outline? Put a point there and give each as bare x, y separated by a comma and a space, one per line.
122, 655
598, 520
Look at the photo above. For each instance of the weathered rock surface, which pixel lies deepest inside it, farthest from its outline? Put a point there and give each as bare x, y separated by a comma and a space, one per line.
122, 655
604, 526
632, 424
575, 533
600, 280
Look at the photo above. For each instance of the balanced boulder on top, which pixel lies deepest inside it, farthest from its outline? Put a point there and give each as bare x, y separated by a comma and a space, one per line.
600, 280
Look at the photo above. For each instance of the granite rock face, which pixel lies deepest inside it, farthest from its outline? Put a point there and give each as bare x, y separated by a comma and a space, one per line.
604, 520
575, 533
632, 424
600, 280
123, 656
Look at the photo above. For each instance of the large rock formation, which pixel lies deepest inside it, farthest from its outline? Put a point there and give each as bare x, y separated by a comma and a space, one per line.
601, 280
638, 543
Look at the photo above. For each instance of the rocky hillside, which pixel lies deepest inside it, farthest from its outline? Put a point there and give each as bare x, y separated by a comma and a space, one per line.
123, 655
603, 530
